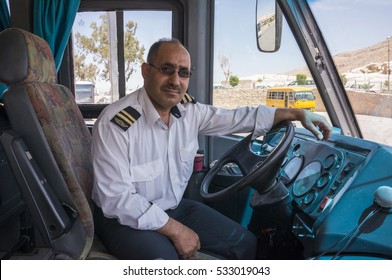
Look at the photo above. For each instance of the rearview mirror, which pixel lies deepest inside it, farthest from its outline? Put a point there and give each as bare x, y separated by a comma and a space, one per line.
268, 25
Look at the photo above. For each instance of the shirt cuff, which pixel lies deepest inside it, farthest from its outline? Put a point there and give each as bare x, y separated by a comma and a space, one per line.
154, 218
264, 120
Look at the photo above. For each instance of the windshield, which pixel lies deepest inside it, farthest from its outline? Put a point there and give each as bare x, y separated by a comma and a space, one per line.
84, 88
357, 35
304, 95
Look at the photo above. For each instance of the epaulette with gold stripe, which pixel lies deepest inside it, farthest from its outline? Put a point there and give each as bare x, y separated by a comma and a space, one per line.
188, 98
126, 117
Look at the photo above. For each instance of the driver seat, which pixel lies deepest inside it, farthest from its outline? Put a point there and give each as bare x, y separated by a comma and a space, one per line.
45, 117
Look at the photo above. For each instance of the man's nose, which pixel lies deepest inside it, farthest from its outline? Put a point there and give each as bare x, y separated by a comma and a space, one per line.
174, 78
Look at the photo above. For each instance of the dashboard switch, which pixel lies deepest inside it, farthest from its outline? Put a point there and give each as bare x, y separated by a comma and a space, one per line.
326, 201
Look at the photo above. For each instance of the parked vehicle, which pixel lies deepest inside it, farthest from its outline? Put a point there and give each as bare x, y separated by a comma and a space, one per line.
291, 97
307, 83
84, 92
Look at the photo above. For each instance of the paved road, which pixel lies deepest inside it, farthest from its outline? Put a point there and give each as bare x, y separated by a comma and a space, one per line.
376, 129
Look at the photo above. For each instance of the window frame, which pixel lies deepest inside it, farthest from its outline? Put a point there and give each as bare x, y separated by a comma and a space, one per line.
66, 71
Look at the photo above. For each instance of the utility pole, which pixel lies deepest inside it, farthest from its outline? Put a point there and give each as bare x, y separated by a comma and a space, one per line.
388, 70
113, 65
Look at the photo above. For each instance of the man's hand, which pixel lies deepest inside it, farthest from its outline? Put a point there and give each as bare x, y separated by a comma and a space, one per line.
315, 123
185, 240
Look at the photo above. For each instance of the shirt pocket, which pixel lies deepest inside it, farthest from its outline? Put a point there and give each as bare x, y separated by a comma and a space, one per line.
146, 178
187, 156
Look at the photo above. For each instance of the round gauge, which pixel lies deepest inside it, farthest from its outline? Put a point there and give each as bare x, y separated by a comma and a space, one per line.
291, 169
307, 178
324, 180
309, 197
330, 161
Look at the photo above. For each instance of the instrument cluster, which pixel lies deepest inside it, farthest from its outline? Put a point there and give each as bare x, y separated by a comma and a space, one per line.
315, 172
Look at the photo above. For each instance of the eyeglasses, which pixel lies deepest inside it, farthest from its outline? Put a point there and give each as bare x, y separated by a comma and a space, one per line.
168, 71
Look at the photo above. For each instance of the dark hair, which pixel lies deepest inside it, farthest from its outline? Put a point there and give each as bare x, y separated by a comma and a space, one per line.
153, 52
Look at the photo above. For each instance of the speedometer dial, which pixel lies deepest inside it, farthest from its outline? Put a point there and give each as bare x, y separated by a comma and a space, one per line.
307, 178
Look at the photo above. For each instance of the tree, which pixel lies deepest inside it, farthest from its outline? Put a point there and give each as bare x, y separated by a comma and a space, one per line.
343, 78
83, 71
133, 52
96, 46
301, 79
225, 66
234, 81
386, 84
366, 87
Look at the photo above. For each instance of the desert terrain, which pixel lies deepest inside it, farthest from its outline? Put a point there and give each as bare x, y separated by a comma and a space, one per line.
374, 111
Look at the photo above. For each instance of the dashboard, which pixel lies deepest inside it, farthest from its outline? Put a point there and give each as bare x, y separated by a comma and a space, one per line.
332, 185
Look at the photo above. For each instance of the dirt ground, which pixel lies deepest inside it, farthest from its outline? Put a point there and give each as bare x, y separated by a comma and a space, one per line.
373, 104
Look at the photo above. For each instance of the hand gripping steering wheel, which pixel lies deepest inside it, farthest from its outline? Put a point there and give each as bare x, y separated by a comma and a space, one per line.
259, 170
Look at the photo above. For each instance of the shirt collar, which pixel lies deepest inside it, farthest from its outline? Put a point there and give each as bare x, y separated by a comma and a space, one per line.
177, 110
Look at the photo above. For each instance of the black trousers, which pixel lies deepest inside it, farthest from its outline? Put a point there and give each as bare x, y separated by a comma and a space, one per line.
219, 236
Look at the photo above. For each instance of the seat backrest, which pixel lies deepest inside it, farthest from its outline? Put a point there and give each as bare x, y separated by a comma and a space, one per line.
47, 117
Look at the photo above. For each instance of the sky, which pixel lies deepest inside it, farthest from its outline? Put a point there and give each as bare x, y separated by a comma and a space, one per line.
347, 25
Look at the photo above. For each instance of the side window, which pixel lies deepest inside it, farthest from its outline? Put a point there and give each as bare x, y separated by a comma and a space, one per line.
109, 48
310, 83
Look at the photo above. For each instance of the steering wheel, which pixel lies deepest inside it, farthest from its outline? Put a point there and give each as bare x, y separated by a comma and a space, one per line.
259, 170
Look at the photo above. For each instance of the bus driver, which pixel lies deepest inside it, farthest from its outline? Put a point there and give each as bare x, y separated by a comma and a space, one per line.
143, 150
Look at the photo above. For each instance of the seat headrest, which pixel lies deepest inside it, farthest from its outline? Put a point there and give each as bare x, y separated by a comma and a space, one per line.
25, 57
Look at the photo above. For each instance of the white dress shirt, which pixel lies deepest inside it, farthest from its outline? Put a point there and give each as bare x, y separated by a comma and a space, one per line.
143, 169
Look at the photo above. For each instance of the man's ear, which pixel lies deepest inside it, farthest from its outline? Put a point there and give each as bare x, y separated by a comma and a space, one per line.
145, 70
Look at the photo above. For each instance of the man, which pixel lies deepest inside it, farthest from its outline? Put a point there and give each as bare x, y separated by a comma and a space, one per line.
143, 150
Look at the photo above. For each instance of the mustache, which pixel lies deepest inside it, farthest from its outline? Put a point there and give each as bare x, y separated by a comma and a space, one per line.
171, 87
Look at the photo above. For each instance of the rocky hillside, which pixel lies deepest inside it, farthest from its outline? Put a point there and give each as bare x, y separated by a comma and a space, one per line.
368, 60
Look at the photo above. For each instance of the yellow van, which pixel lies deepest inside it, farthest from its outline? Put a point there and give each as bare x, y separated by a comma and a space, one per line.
291, 97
